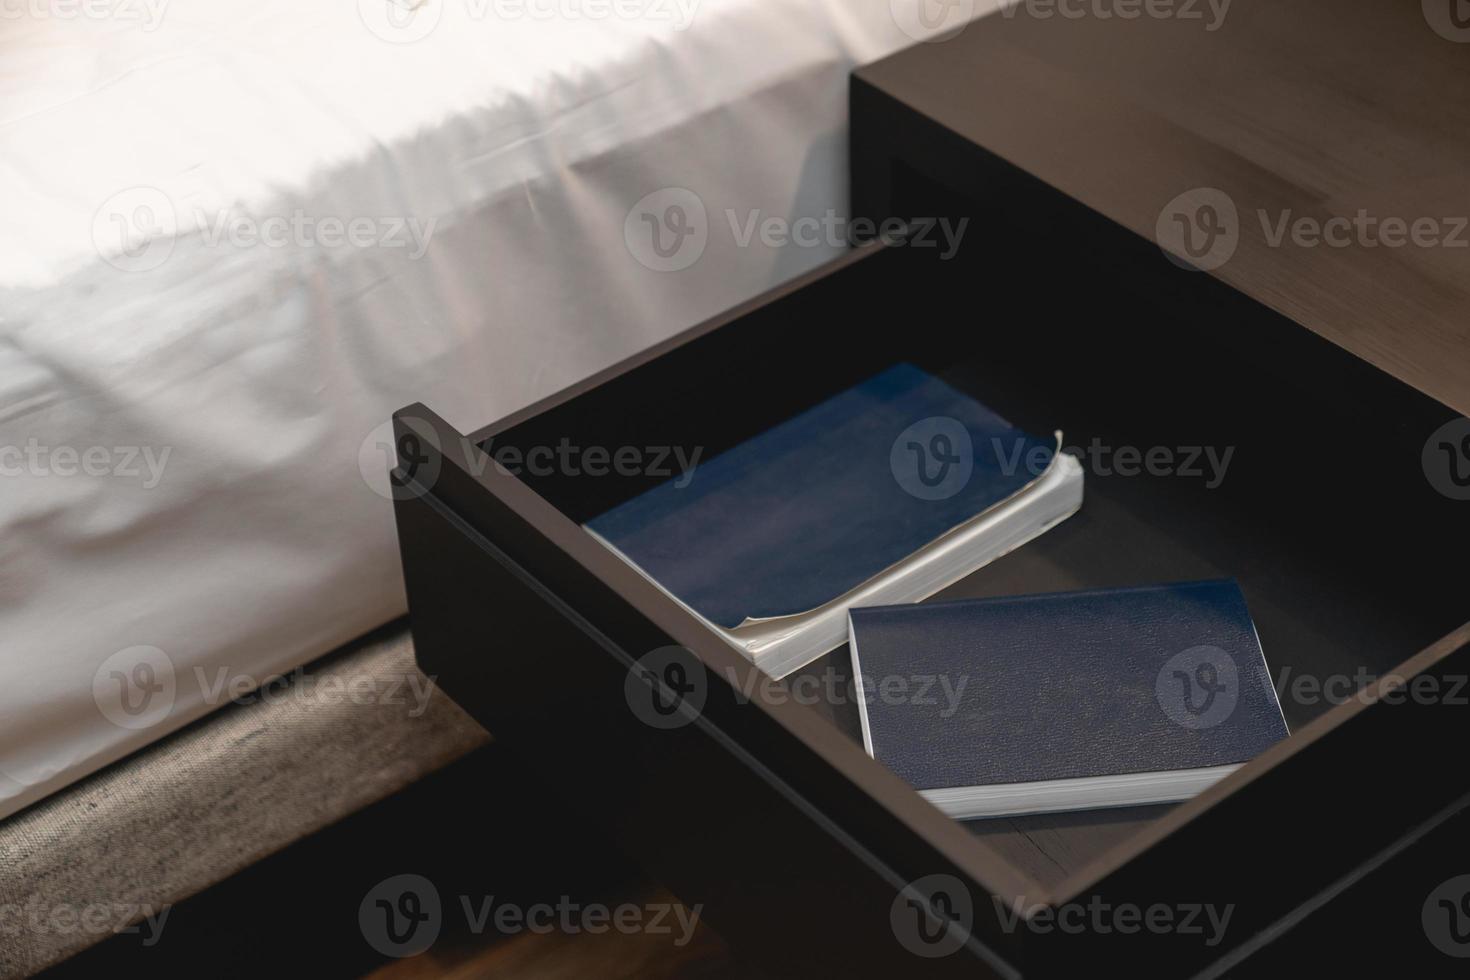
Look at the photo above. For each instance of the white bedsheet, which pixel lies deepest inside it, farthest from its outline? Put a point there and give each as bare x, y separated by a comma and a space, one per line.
185, 425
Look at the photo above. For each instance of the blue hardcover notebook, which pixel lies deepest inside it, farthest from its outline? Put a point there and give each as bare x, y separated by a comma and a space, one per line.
789, 522
1069, 700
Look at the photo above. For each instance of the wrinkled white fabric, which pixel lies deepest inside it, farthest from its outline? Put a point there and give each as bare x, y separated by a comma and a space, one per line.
193, 389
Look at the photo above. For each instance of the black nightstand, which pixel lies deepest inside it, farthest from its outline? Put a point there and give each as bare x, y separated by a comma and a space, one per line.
1325, 373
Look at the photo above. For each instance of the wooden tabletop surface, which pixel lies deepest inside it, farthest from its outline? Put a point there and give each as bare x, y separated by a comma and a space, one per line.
1290, 114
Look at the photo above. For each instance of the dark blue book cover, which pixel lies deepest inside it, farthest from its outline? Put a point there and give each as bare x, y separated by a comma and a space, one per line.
814, 507
1066, 685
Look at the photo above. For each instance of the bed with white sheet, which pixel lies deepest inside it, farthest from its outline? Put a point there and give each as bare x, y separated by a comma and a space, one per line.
240, 233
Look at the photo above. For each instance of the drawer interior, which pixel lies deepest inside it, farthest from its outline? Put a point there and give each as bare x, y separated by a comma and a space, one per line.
1278, 459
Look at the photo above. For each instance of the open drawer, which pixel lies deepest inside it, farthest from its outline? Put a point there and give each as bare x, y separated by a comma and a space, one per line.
756, 800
